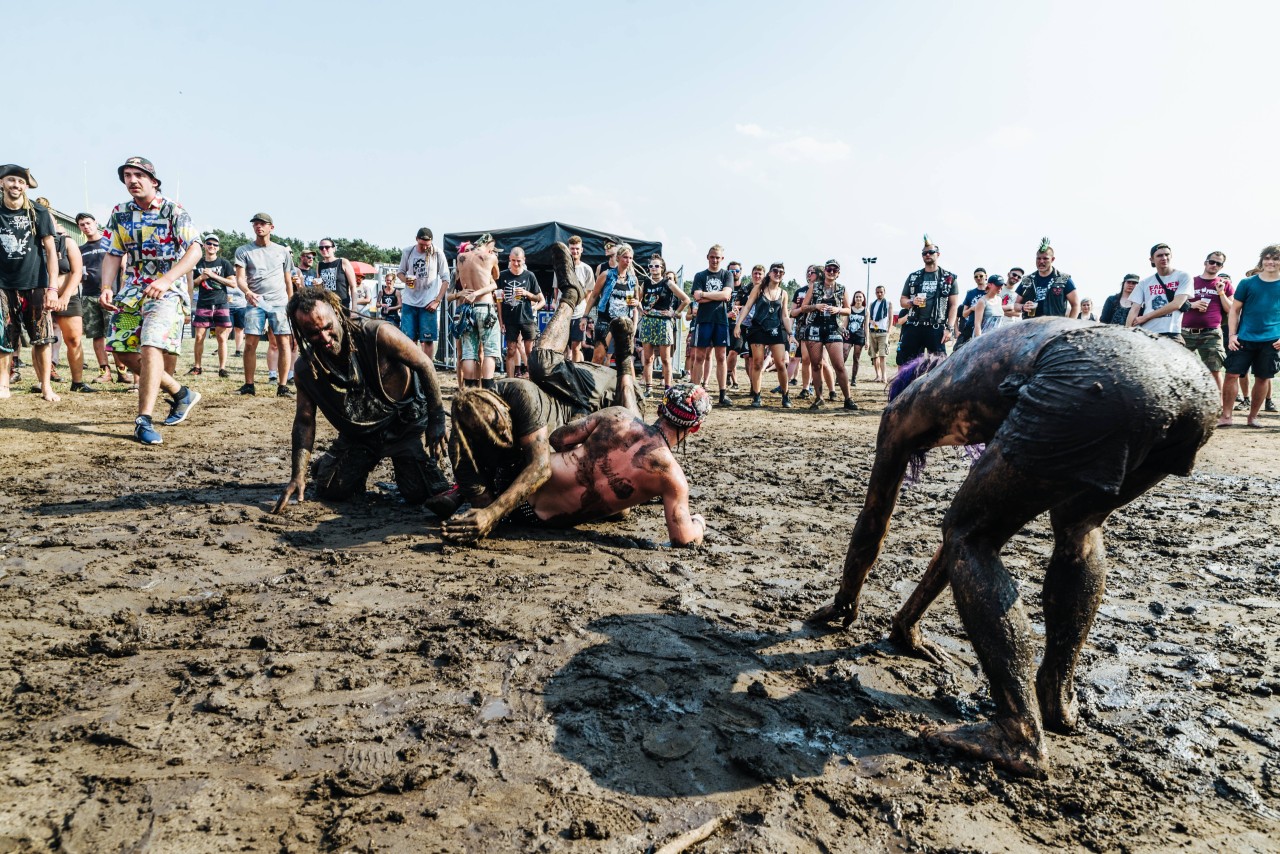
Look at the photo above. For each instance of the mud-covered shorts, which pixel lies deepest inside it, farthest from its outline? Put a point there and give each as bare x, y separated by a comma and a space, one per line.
1104, 401
143, 322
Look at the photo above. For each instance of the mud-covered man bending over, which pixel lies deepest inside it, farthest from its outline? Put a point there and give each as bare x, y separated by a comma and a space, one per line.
380, 392
1077, 420
610, 460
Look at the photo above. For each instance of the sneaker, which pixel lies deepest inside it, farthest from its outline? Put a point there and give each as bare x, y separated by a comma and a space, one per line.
817, 402
777, 390
272, 376
180, 408
284, 391
224, 373
786, 401
1269, 406
83, 388
831, 395
144, 432
849, 404
290, 380
755, 401
804, 394
248, 388
724, 400
236, 354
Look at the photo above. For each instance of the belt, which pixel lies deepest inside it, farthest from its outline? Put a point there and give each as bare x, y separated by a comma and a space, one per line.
1199, 329
930, 325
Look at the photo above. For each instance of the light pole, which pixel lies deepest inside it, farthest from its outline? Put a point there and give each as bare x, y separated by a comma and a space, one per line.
868, 262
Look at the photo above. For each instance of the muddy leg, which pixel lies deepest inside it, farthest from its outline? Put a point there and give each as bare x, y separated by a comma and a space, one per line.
993, 503
905, 629
623, 332
556, 335
1074, 583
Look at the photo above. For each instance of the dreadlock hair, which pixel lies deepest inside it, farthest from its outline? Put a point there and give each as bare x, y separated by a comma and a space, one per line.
304, 301
907, 374
481, 419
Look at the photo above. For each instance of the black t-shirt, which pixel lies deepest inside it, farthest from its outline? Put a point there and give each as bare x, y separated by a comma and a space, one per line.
970, 299
211, 294
1049, 296
797, 298
92, 252
387, 304
20, 258
330, 275
658, 297
516, 313
709, 282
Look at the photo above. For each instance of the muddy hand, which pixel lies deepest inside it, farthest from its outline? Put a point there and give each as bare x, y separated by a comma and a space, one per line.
292, 488
467, 527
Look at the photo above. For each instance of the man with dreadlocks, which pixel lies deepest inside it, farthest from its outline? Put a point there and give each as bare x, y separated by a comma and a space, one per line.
1077, 420
502, 450
377, 388
26, 232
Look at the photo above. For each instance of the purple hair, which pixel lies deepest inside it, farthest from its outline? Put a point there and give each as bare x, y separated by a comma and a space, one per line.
907, 374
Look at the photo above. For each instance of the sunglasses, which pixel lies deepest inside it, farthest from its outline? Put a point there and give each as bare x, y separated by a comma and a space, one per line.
322, 248
778, 270
212, 243
832, 268
1213, 263
655, 266
929, 252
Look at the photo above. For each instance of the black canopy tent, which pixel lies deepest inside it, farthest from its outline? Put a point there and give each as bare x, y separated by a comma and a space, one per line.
536, 241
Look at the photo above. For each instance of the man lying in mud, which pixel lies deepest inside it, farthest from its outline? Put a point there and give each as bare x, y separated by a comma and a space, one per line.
518, 452
377, 388
1077, 420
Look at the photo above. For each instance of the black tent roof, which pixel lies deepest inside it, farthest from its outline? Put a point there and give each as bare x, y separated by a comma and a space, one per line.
536, 241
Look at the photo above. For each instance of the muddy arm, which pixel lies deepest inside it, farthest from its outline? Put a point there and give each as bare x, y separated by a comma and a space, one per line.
304, 439
574, 433
478, 522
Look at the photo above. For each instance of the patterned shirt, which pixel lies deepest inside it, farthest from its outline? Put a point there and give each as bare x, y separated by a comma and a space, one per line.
152, 242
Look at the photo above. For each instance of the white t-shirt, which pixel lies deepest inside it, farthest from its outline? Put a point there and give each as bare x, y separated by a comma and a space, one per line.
1151, 295
586, 280
432, 272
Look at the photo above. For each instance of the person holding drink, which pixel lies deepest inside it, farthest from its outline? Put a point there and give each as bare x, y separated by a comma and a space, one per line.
930, 297
1047, 292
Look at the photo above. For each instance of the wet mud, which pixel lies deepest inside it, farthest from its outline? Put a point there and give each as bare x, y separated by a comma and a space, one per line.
185, 671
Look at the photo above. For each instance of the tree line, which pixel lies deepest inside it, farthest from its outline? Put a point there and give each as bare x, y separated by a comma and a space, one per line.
353, 249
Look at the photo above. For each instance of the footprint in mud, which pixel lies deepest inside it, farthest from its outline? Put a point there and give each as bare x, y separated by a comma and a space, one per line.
655, 711
114, 816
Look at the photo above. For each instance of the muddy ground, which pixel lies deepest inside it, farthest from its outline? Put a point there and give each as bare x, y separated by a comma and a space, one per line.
186, 672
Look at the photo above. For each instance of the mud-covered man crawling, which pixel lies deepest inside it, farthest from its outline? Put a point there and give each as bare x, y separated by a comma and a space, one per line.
378, 389
523, 451
1078, 420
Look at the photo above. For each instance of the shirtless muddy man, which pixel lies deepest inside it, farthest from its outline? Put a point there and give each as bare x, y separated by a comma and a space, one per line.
551, 451
1078, 420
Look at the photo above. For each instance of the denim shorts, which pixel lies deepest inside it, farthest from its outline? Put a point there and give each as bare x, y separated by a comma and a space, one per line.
258, 317
419, 324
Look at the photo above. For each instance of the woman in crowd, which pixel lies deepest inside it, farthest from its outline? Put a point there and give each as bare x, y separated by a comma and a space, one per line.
801, 332
988, 312
610, 295
1086, 310
826, 302
1116, 308
855, 333
389, 301
770, 330
661, 302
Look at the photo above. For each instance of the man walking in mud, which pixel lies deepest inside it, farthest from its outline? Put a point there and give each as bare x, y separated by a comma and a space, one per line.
602, 464
378, 389
1077, 421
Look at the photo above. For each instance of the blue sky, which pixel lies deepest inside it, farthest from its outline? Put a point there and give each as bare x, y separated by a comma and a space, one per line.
793, 132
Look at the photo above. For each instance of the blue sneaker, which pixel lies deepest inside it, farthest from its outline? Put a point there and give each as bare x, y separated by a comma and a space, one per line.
180, 408
144, 432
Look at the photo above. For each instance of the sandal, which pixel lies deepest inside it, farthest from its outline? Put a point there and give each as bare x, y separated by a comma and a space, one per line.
197, 370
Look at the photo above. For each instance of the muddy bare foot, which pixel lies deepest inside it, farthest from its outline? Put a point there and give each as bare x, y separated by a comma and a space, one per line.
1058, 705
910, 640
844, 612
989, 741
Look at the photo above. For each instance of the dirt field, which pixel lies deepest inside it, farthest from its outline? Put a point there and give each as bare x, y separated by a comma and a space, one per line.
190, 673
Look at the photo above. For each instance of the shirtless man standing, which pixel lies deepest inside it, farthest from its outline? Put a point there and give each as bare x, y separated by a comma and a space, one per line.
603, 464
1043, 394
478, 342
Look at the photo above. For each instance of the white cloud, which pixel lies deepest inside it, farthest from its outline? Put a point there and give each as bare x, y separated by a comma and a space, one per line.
751, 129
807, 149
1011, 136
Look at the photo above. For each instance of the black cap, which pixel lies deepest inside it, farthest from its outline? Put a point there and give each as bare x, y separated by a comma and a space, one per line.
21, 171
831, 262
424, 233
995, 279
262, 217
139, 163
